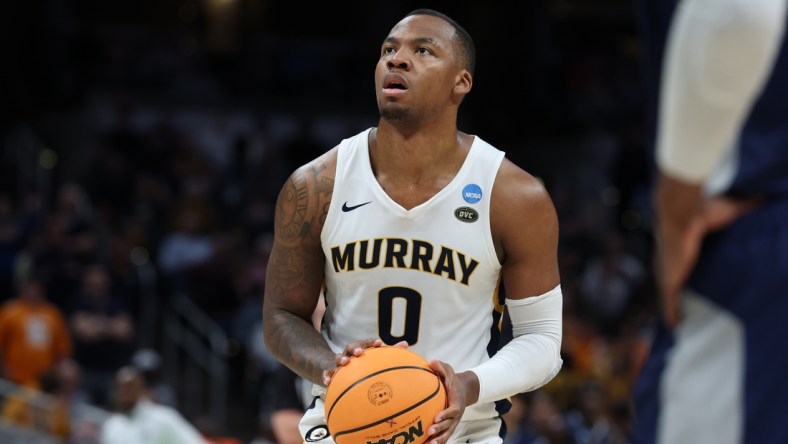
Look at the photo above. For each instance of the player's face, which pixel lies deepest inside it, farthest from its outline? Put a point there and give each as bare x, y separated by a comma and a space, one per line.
128, 389
418, 69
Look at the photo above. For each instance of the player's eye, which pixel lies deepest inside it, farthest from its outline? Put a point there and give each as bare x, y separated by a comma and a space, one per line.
423, 50
388, 50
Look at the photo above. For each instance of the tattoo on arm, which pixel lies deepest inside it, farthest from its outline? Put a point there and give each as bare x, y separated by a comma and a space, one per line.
295, 274
325, 188
299, 346
291, 209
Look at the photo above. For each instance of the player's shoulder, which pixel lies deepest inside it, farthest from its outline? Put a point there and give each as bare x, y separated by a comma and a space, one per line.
520, 204
323, 166
314, 178
522, 214
305, 197
515, 186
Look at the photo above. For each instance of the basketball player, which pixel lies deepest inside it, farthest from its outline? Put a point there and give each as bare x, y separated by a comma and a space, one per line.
717, 368
408, 227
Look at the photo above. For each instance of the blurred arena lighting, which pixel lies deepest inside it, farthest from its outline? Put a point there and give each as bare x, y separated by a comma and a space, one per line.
223, 28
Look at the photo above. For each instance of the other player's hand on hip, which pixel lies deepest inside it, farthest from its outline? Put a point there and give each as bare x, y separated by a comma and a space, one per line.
462, 390
355, 348
685, 217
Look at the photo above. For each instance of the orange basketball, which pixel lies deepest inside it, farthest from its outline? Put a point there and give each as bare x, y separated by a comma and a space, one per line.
387, 395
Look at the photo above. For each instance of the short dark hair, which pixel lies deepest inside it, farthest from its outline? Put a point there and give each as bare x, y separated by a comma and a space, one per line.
467, 48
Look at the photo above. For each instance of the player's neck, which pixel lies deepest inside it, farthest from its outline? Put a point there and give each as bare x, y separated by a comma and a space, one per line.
419, 154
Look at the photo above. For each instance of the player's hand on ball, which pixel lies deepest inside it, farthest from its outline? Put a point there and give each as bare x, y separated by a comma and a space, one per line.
353, 349
461, 390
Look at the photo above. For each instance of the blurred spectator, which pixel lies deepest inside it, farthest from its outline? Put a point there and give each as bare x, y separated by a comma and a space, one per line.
68, 379
54, 263
250, 173
153, 197
76, 213
10, 245
148, 362
28, 217
54, 409
187, 246
609, 282
289, 397
197, 258
285, 395
66, 244
514, 418
103, 333
589, 423
117, 158
541, 420
42, 410
581, 345
126, 251
140, 420
216, 135
209, 430
33, 336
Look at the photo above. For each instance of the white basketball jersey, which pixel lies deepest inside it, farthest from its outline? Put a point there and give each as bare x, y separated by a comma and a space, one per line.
428, 275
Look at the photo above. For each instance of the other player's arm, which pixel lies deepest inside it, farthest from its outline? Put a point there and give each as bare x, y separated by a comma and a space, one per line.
295, 271
718, 57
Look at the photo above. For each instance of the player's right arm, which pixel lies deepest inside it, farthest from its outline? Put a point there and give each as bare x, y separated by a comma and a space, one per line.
718, 58
295, 270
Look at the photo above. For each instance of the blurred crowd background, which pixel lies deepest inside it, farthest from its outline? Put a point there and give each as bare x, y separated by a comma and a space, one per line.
144, 143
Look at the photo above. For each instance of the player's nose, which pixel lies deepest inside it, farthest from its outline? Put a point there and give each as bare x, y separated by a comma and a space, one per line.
398, 60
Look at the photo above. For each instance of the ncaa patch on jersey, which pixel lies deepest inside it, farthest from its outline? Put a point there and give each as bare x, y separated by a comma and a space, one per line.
472, 193
466, 214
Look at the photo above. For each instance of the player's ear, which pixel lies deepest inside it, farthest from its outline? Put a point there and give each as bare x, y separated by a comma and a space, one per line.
463, 83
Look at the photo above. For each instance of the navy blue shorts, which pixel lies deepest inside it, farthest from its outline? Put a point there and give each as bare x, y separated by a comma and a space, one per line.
722, 375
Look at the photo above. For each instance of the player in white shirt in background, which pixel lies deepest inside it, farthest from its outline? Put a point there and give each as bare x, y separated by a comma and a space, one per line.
140, 420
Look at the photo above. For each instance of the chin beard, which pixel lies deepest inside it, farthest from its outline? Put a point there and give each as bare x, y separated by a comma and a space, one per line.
397, 115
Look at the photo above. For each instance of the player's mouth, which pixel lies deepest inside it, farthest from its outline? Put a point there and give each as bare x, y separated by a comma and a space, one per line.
394, 84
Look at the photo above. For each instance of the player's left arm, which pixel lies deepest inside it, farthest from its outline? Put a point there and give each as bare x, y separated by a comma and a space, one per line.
525, 232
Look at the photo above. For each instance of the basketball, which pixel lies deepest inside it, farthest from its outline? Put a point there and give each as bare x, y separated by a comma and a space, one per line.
387, 395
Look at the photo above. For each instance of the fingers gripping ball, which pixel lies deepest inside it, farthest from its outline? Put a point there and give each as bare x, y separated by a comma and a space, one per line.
387, 395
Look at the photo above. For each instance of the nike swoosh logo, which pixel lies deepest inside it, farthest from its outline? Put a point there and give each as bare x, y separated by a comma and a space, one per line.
346, 208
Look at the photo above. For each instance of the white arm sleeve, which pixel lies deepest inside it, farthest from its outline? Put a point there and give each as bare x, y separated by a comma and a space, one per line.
718, 57
533, 357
